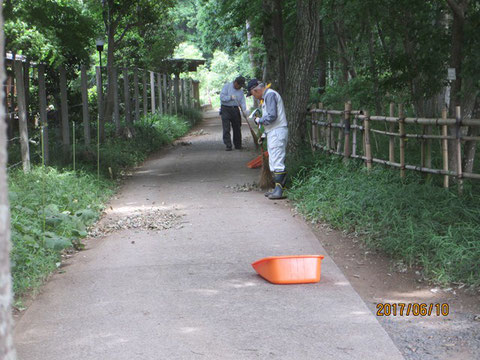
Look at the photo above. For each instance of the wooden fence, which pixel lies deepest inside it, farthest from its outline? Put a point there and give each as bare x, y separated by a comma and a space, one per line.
342, 138
161, 93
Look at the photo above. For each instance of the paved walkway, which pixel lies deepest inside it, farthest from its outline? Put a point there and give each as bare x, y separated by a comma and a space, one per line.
190, 292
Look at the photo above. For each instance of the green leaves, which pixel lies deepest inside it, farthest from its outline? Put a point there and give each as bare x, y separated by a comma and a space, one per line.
72, 202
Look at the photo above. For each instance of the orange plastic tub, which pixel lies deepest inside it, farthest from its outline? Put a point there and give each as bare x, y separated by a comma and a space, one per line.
298, 269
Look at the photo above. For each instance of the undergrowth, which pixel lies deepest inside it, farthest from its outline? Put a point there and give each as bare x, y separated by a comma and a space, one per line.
411, 220
52, 208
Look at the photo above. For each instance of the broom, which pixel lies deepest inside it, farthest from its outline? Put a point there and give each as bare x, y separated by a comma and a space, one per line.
266, 178
257, 162
254, 136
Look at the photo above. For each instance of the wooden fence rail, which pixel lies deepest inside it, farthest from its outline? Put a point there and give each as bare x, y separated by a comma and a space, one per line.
323, 137
161, 94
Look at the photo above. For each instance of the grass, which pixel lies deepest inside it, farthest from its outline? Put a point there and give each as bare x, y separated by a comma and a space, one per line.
52, 208
412, 220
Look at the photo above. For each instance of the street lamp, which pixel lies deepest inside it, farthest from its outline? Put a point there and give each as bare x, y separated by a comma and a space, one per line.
100, 42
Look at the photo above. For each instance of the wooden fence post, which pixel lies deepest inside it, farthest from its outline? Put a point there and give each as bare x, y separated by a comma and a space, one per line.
136, 94
313, 128
320, 129
85, 113
100, 127
26, 79
401, 126
64, 107
182, 84
366, 134
160, 95
458, 135
354, 137
329, 132
126, 93
10, 109
446, 178
42, 94
391, 140
22, 115
176, 92
165, 94
145, 95
340, 134
190, 94
346, 145
152, 92
116, 110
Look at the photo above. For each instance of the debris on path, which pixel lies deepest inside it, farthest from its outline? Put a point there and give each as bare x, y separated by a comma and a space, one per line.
198, 133
149, 219
244, 188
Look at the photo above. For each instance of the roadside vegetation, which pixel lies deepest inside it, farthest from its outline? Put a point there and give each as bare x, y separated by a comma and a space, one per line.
52, 208
414, 220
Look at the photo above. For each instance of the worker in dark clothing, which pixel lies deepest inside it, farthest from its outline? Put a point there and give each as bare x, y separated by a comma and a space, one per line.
231, 98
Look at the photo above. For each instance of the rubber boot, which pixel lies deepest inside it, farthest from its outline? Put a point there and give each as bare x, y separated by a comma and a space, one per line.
280, 181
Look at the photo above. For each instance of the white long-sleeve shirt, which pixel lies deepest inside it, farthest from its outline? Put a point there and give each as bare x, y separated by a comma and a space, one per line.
226, 96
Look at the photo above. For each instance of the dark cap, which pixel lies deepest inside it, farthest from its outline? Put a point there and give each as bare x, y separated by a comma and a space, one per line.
240, 81
252, 84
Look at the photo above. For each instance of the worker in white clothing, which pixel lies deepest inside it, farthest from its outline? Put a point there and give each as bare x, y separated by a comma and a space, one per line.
274, 122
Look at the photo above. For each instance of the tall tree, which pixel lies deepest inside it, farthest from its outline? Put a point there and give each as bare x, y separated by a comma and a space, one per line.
121, 18
459, 9
300, 70
7, 350
274, 40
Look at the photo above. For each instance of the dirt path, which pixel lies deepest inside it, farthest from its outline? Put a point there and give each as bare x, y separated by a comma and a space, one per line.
179, 285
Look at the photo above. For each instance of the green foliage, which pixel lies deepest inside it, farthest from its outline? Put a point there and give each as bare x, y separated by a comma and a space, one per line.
412, 221
220, 69
68, 201
120, 153
52, 31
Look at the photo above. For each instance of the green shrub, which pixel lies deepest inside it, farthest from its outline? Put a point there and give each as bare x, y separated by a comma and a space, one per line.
416, 222
65, 202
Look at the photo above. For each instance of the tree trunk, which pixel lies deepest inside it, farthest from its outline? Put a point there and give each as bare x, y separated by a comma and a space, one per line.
109, 100
251, 51
7, 350
456, 59
471, 146
322, 60
374, 72
275, 44
301, 69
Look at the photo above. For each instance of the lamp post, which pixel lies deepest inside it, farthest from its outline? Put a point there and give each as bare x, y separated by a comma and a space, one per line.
100, 42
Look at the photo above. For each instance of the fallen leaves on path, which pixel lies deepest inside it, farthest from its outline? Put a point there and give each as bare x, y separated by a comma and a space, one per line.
148, 219
244, 187
198, 133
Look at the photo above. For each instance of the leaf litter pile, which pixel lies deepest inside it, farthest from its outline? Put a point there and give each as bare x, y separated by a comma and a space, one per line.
244, 187
150, 219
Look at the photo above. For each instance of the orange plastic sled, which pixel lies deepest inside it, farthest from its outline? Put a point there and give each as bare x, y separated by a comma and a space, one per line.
257, 162
299, 269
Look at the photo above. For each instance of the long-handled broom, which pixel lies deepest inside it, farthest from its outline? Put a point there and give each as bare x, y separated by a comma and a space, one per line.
266, 178
254, 136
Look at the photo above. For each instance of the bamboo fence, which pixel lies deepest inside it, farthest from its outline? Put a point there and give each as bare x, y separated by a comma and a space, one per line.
399, 129
162, 94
